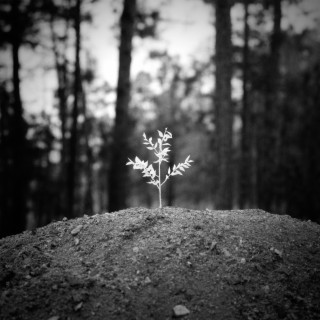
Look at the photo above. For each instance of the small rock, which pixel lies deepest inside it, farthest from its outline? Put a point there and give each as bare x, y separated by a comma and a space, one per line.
54, 318
226, 252
76, 230
277, 252
78, 306
64, 219
55, 287
135, 249
180, 311
243, 260
76, 241
147, 280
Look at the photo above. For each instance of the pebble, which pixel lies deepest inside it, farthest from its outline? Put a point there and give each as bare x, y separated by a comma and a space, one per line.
76, 230
226, 252
276, 251
147, 280
135, 249
78, 306
180, 311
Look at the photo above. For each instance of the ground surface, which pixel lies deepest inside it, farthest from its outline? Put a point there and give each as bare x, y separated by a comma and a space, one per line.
141, 263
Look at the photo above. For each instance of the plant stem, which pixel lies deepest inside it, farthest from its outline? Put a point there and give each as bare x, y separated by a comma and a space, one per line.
160, 202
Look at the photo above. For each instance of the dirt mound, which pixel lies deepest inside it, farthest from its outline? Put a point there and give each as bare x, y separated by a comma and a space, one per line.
158, 264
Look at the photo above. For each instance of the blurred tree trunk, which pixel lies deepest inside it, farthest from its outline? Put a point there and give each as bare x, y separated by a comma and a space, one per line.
223, 105
246, 174
72, 170
4, 160
118, 173
270, 136
60, 59
310, 134
16, 220
61, 69
88, 198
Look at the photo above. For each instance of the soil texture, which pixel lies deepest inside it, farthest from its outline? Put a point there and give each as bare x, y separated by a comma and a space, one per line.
163, 263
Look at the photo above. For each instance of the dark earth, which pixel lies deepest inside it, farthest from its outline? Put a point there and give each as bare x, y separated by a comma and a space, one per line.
143, 263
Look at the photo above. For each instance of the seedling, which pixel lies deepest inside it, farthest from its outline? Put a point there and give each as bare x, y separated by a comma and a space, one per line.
161, 150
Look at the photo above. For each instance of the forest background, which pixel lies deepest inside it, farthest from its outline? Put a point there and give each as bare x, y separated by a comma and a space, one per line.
236, 82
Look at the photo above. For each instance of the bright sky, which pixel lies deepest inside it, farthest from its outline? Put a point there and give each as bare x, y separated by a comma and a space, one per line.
187, 32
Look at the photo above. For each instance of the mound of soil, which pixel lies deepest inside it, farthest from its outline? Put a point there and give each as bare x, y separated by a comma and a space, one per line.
158, 264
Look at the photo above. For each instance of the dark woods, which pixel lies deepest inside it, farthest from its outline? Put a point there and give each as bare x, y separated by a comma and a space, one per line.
257, 150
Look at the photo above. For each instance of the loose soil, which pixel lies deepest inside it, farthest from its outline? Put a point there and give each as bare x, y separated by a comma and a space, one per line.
141, 263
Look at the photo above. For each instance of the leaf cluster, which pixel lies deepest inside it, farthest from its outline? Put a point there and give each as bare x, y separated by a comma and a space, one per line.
161, 151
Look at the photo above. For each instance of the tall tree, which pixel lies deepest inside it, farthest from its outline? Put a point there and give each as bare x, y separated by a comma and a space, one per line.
72, 170
15, 218
118, 173
246, 174
269, 145
57, 16
5, 168
223, 105
87, 130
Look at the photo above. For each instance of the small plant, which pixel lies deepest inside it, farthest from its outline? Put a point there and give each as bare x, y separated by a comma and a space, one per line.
161, 150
